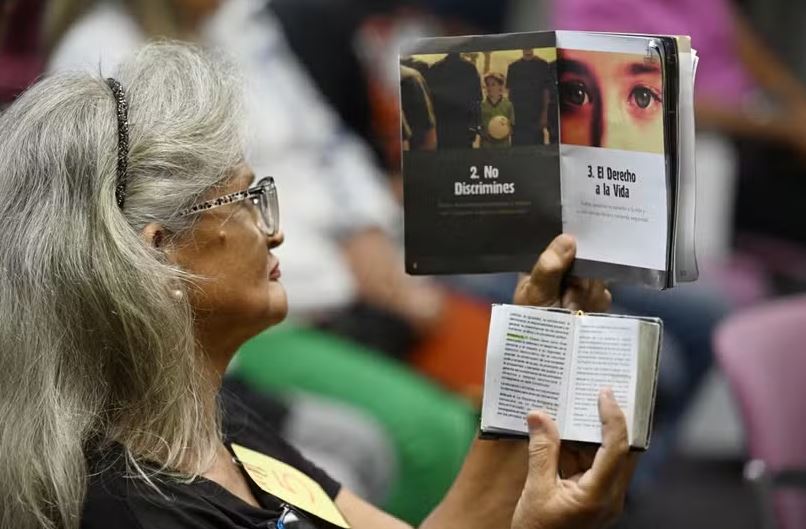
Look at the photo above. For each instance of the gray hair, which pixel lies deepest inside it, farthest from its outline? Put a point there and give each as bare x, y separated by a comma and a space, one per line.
94, 349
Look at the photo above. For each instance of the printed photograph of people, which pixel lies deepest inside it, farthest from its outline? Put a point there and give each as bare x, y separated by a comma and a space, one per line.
417, 114
478, 99
497, 115
455, 86
611, 100
529, 82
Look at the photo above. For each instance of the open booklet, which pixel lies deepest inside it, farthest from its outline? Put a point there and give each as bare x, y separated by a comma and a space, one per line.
512, 139
558, 361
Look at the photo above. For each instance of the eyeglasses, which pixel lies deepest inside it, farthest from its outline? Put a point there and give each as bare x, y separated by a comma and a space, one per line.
263, 195
291, 518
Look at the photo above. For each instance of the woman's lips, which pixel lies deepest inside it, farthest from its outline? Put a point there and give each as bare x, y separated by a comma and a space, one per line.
275, 273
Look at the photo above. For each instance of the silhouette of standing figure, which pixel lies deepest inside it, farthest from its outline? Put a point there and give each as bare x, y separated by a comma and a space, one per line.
456, 93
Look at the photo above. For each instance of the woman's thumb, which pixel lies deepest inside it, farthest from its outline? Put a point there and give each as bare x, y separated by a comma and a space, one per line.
544, 449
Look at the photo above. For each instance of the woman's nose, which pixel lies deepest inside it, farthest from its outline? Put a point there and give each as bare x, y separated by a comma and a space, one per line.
276, 239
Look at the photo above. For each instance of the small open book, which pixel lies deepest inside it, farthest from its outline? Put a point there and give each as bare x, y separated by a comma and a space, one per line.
557, 361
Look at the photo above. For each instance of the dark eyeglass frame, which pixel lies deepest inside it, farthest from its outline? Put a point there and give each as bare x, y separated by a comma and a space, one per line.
263, 195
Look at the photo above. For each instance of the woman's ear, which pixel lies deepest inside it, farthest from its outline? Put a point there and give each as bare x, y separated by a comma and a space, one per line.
157, 237
153, 235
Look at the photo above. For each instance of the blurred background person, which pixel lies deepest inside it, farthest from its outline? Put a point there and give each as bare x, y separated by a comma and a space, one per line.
363, 40
21, 54
5, 11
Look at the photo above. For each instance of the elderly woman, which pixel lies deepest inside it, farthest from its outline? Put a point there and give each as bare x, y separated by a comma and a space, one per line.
135, 258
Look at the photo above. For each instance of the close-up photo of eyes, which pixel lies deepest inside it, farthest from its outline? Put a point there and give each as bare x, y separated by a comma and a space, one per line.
610, 100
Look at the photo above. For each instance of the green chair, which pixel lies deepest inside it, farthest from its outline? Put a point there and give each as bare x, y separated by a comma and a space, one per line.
430, 429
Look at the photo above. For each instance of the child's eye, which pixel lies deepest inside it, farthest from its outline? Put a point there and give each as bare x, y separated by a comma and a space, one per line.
574, 93
643, 96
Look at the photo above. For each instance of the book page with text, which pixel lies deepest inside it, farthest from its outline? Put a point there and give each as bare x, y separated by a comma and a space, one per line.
606, 355
528, 359
612, 149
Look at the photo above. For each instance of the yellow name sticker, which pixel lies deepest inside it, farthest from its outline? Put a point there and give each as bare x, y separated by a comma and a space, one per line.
289, 484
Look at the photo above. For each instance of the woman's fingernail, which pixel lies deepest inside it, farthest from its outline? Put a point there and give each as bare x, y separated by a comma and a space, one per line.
535, 423
566, 242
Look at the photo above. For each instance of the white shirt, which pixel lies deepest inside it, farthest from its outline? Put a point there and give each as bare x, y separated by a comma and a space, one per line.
328, 184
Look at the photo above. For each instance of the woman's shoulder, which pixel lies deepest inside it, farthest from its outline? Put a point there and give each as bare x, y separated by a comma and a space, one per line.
107, 504
119, 496
108, 500
103, 506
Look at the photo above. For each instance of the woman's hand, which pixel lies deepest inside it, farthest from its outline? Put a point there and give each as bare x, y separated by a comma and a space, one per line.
504, 482
548, 286
595, 483
585, 499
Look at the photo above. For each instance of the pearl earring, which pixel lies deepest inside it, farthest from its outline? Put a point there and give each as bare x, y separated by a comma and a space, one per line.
178, 294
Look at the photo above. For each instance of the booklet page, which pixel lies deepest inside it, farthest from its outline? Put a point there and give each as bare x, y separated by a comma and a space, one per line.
481, 171
614, 203
685, 251
606, 356
613, 167
527, 364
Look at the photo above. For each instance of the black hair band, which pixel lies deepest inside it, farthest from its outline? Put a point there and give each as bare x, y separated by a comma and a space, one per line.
122, 112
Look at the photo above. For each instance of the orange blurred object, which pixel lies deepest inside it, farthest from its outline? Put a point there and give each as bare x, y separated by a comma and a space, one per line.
454, 353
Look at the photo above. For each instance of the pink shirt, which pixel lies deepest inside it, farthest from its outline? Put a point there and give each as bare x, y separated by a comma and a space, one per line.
720, 74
